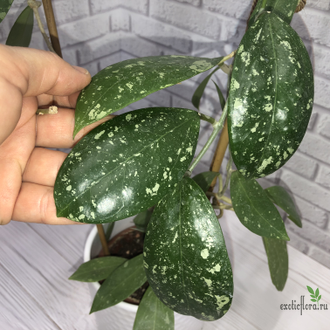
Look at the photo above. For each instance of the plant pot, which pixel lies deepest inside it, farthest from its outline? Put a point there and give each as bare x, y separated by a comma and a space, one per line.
122, 315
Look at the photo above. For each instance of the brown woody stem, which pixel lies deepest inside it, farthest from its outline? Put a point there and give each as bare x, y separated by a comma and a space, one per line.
104, 242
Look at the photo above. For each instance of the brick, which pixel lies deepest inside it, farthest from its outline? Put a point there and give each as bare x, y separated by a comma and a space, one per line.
298, 243
320, 256
232, 31
70, 55
159, 32
139, 47
312, 120
186, 17
315, 146
196, 3
120, 20
234, 8
322, 91
108, 60
319, 4
311, 213
161, 98
324, 127
37, 41
311, 234
321, 60
310, 24
83, 30
184, 93
140, 6
307, 190
323, 177
302, 165
103, 46
68, 11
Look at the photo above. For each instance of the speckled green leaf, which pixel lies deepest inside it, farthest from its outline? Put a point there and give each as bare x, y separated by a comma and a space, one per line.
142, 219
120, 284
270, 97
126, 82
96, 269
278, 261
254, 209
4, 8
205, 179
185, 255
152, 314
21, 32
280, 197
221, 98
126, 164
282, 8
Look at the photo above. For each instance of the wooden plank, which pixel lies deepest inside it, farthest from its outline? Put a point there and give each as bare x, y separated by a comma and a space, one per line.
18, 309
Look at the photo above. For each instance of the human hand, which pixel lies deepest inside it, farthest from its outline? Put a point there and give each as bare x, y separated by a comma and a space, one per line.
31, 79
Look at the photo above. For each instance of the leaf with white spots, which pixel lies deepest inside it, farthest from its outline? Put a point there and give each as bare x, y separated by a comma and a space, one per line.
21, 32
4, 8
185, 255
123, 83
96, 269
270, 97
142, 219
282, 8
126, 165
152, 314
278, 261
279, 196
120, 284
205, 179
254, 209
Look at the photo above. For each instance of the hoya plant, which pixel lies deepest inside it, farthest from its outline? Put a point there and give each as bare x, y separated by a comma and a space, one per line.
140, 163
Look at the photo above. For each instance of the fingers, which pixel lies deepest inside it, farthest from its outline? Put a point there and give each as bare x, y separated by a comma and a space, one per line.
56, 131
35, 203
43, 166
10, 183
37, 72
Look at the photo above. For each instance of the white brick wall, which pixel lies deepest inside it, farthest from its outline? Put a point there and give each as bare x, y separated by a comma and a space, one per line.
96, 33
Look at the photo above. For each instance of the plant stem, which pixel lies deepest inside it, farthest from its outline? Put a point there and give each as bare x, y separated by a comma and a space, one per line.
35, 5
104, 242
217, 126
207, 118
49, 13
232, 54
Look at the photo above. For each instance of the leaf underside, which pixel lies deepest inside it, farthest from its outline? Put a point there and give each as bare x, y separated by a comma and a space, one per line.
21, 32
152, 314
126, 82
4, 8
254, 209
185, 256
278, 261
126, 164
205, 179
270, 97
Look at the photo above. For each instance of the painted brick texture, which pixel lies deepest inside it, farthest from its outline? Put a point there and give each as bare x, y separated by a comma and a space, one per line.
97, 33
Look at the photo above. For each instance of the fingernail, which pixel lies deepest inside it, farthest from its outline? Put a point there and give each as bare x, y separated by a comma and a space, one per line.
80, 69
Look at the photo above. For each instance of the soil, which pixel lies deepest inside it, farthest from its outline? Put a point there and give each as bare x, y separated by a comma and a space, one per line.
128, 244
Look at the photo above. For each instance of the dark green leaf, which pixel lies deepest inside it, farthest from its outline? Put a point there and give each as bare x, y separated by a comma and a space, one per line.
221, 98
126, 164
126, 82
310, 289
152, 314
4, 8
279, 196
278, 261
142, 219
21, 32
185, 255
205, 179
200, 89
283, 8
254, 209
313, 300
319, 298
121, 283
270, 97
96, 269
317, 292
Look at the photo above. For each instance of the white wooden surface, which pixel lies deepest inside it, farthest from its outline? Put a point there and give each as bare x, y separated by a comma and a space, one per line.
36, 260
